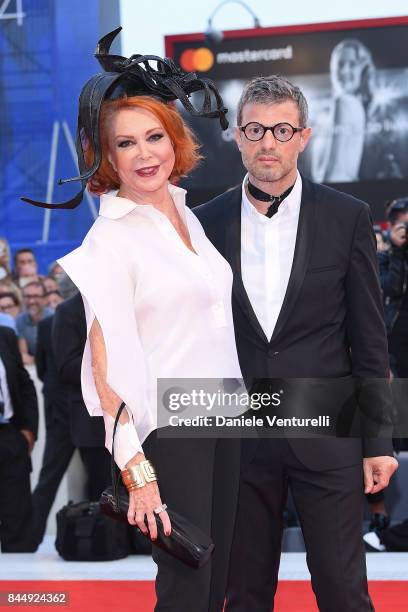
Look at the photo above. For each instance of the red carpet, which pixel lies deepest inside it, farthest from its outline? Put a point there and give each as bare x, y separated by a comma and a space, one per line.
126, 596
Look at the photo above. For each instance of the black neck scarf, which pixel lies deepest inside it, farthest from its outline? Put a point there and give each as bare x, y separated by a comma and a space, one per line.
262, 196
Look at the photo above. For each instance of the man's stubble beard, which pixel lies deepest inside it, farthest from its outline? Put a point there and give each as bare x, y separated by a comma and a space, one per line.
266, 175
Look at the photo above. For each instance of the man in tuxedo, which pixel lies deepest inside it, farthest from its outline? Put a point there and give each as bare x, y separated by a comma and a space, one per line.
87, 433
306, 304
58, 448
61, 341
18, 432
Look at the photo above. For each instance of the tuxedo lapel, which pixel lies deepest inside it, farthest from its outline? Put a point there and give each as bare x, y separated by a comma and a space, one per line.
304, 242
10, 371
233, 255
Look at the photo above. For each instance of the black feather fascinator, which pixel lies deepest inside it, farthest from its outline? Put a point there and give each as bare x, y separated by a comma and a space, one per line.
131, 77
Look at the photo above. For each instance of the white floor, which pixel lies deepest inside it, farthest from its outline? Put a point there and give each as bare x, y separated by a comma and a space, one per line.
47, 565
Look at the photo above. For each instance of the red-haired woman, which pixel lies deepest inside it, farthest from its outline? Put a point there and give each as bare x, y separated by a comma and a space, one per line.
157, 298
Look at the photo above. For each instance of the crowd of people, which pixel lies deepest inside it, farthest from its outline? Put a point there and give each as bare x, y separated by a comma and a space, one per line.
42, 324
392, 250
26, 296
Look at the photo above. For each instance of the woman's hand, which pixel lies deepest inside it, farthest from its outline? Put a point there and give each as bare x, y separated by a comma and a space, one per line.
143, 502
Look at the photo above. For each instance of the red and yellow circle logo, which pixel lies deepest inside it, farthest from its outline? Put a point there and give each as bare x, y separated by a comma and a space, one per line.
201, 59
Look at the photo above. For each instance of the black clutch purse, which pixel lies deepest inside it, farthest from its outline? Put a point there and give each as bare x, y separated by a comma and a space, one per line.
187, 543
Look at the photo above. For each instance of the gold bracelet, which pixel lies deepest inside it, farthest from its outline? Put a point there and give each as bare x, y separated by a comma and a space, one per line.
132, 478
137, 476
133, 486
148, 471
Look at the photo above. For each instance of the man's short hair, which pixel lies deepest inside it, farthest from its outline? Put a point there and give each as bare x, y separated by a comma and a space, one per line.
34, 283
272, 90
20, 251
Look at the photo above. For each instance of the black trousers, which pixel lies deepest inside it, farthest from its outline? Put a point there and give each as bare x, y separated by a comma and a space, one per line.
57, 455
330, 509
96, 461
15, 492
199, 479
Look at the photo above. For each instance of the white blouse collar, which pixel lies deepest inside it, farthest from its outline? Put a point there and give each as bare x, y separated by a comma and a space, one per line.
114, 207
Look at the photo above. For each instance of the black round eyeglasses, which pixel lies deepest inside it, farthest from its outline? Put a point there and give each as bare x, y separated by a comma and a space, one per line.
281, 131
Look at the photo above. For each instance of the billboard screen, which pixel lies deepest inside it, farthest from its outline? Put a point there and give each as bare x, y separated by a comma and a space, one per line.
355, 78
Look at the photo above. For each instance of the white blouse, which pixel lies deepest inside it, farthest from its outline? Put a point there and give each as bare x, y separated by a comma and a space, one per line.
165, 312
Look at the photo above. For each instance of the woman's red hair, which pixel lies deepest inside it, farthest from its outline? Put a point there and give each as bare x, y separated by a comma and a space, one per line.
186, 148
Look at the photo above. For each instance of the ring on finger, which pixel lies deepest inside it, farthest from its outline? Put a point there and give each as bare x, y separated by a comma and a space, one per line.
161, 508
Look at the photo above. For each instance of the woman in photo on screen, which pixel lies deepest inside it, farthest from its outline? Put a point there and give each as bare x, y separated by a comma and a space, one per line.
339, 143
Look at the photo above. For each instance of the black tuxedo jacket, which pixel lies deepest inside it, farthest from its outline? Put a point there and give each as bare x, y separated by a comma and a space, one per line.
21, 387
68, 338
331, 322
55, 392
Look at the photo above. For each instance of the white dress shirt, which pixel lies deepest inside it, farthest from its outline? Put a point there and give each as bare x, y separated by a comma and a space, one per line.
5, 394
267, 249
165, 312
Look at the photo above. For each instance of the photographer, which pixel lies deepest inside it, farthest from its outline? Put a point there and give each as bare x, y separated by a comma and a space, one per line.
392, 250
394, 276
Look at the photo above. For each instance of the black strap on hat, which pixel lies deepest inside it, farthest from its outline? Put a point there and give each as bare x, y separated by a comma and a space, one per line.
91, 98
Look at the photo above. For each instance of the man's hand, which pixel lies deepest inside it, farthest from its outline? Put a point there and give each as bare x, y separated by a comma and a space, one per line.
29, 436
377, 472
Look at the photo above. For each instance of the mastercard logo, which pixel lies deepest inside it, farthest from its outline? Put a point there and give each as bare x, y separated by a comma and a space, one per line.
201, 59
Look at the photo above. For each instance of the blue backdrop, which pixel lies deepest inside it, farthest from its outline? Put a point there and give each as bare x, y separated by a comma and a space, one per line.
44, 63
